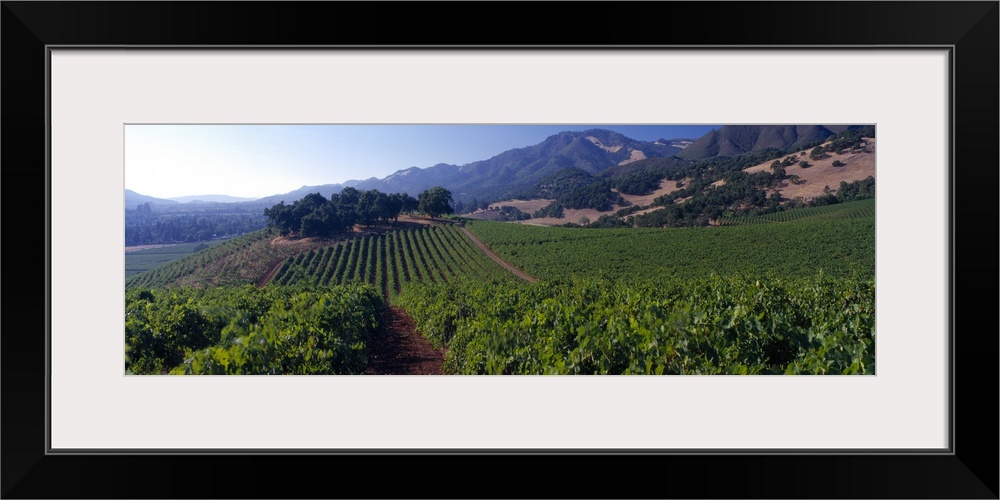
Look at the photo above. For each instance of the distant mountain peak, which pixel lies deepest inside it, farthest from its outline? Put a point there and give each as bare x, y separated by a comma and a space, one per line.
133, 199
731, 140
210, 198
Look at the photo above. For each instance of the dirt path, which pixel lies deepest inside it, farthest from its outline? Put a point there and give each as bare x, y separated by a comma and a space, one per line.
400, 350
521, 274
270, 275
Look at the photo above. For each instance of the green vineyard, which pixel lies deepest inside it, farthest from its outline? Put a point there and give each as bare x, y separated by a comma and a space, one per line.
439, 254
250, 330
839, 247
140, 261
239, 261
849, 210
731, 325
754, 298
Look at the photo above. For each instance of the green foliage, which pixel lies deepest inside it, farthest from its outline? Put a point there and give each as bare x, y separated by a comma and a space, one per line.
438, 253
740, 193
857, 190
715, 325
777, 171
558, 184
715, 168
607, 221
314, 225
246, 330
841, 247
160, 325
597, 196
704, 198
435, 202
239, 261
627, 211
818, 153
827, 198
851, 139
554, 209
509, 213
864, 209
140, 261
315, 216
846, 192
638, 183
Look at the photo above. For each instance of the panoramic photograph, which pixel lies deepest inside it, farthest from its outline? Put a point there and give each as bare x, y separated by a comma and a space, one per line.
556, 249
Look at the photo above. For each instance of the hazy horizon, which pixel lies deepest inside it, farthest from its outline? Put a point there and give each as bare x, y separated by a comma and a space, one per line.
254, 161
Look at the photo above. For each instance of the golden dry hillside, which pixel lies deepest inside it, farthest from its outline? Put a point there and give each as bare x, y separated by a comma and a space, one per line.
805, 183
858, 165
572, 215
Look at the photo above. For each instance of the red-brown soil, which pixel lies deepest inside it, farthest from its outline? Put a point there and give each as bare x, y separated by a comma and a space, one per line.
399, 350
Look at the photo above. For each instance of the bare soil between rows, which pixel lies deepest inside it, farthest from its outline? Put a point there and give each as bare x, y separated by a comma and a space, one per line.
400, 350
397, 348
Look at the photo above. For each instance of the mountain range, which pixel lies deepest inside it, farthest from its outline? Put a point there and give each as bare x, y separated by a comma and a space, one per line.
519, 170
731, 140
210, 198
514, 170
132, 199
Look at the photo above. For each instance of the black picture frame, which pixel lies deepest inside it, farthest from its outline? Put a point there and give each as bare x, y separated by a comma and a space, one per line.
970, 470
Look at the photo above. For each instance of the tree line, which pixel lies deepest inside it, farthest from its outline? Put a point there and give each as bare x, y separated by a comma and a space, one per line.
314, 215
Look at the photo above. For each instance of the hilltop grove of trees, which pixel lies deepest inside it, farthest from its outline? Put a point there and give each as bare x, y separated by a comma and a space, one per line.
435, 202
314, 215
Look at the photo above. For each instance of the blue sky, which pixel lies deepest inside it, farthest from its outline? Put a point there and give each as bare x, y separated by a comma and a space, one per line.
259, 160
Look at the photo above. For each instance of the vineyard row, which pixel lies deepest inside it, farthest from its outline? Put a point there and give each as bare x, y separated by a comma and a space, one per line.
440, 254
848, 210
